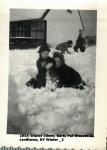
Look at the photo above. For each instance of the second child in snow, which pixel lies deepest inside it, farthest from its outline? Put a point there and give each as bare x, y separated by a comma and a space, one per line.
68, 77
63, 47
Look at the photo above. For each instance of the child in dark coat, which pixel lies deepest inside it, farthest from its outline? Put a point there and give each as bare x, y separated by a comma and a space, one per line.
80, 44
68, 77
43, 64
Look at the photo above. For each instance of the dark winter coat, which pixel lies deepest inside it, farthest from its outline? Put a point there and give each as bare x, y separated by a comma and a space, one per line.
80, 41
68, 77
41, 76
80, 44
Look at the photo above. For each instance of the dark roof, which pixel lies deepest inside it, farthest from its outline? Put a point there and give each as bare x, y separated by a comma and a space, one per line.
81, 20
45, 13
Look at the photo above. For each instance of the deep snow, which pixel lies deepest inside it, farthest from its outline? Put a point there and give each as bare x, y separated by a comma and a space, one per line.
39, 111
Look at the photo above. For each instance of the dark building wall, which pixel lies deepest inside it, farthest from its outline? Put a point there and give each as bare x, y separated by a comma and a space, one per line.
27, 34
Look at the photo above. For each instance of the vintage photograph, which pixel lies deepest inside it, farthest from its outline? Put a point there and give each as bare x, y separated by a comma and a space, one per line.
52, 71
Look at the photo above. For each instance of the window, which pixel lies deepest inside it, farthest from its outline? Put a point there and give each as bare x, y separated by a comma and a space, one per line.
28, 31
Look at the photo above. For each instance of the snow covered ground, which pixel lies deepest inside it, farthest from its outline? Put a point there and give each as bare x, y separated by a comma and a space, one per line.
39, 111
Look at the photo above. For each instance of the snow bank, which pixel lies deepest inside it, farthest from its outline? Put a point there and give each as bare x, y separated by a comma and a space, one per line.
40, 111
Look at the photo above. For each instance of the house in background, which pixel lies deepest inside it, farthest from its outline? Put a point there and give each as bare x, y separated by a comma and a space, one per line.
30, 28
90, 40
63, 25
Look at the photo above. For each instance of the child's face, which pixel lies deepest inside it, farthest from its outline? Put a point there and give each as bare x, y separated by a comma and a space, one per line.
57, 62
45, 54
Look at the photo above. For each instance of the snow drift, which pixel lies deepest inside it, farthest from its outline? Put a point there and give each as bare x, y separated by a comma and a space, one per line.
41, 111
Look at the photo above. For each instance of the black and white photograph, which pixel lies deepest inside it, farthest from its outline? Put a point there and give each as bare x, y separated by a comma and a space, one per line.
52, 71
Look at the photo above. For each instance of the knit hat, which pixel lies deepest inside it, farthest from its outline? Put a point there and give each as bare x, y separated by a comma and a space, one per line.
60, 56
43, 48
70, 42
